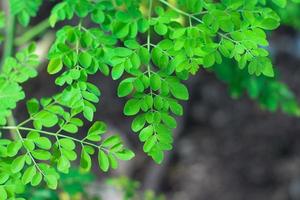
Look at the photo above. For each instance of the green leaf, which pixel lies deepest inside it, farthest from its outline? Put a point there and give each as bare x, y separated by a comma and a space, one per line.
120, 30
85, 59
86, 40
85, 160
146, 133
155, 82
43, 143
104, 69
158, 102
70, 128
138, 123
51, 181
98, 128
149, 144
157, 156
67, 144
88, 113
3, 178
54, 66
32, 106
268, 69
125, 88
176, 108
36, 179
46, 118
63, 164
117, 71
24, 10
169, 120
125, 155
280, 3
13, 148
112, 161
103, 161
161, 28
132, 44
41, 154
28, 174
98, 16
132, 107
18, 164
179, 91
111, 141
24, 18
3, 193
144, 55
269, 24
10, 94
209, 60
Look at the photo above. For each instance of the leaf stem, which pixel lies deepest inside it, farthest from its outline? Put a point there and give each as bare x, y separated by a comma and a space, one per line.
53, 134
149, 45
28, 152
32, 32
8, 49
181, 11
9, 35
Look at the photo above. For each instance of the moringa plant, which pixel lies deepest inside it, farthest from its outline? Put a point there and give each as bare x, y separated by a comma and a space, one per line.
151, 47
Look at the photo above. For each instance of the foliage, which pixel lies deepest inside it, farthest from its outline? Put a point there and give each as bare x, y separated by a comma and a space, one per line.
75, 184
130, 188
271, 94
151, 48
290, 14
72, 186
14, 72
2, 24
24, 10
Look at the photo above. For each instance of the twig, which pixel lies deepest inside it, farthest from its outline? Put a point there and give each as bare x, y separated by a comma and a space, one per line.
9, 33
32, 33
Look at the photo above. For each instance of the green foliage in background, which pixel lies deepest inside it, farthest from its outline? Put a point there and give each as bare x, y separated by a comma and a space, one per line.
129, 188
151, 48
290, 14
72, 186
270, 93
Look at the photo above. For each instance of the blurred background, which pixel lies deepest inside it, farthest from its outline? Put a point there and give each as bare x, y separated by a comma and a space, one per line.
226, 146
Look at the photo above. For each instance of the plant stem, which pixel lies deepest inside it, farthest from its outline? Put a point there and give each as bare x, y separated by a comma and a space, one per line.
53, 134
180, 11
29, 153
149, 19
9, 36
12, 122
32, 32
8, 51
149, 45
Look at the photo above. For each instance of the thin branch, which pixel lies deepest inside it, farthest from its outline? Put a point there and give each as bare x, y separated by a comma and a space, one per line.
54, 135
28, 152
32, 33
181, 11
9, 33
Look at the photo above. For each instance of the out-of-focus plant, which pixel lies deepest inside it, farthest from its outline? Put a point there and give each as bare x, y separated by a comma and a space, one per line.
130, 189
270, 93
290, 14
153, 46
72, 186
2, 24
